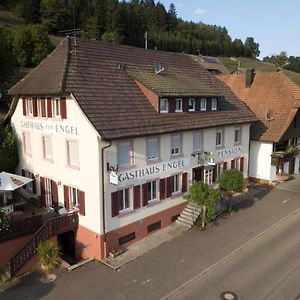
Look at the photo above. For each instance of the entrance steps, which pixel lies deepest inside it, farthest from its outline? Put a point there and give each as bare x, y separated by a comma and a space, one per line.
5, 274
189, 215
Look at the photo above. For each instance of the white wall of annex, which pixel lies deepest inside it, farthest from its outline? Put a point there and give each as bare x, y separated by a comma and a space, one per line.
86, 178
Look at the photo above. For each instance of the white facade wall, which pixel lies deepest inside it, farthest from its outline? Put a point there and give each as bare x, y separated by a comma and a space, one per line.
260, 160
209, 142
86, 178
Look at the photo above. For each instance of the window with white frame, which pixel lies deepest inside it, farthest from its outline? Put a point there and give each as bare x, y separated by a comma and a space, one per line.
164, 106
175, 144
30, 106
73, 155
219, 169
152, 190
56, 108
176, 184
237, 135
124, 154
236, 163
73, 196
27, 142
47, 145
152, 149
219, 138
124, 200
203, 104
197, 141
178, 105
191, 104
208, 176
214, 104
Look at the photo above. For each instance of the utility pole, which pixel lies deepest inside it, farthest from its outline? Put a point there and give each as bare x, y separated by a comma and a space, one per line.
146, 39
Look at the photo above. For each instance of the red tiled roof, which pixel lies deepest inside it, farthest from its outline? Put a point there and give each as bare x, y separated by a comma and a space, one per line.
272, 93
111, 99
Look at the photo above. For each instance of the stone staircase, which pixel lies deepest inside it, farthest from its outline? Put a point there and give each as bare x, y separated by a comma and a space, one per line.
5, 274
189, 215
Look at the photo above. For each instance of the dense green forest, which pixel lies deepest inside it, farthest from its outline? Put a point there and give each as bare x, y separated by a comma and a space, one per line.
282, 60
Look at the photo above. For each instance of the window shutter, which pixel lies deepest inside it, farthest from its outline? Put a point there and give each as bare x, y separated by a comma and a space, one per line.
225, 165
24, 175
184, 182
169, 186
49, 107
136, 196
145, 194
242, 164
54, 193
63, 108
35, 110
114, 204
66, 197
215, 173
81, 200
43, 106
162, 188
43, 191
24, 106
33, 183
232, 164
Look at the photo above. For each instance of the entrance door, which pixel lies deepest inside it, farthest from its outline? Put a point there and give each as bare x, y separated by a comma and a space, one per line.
198, 173
66, 243
292, 166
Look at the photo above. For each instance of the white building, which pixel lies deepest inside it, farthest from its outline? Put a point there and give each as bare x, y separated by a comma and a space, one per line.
104, 132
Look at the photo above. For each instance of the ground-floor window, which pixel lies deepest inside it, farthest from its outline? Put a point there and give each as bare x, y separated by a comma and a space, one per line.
73, 196
48, 192
152, 191
176, 184
208, 176
124, 200
235, 164
218, 170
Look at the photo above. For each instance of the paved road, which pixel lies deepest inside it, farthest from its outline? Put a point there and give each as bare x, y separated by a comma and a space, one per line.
266, 268
165, 268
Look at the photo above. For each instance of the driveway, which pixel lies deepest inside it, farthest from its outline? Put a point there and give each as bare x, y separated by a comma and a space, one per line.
163, 269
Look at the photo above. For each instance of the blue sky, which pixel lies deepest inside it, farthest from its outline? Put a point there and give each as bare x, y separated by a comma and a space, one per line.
274, 24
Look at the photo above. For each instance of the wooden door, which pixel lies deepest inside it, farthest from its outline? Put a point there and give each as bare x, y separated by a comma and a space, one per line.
198, 173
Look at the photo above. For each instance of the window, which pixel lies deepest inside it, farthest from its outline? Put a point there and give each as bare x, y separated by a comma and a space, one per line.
175, 184
73, 196
125, 154
237, 135
124, 200
203, 104
27, 142
208, 176
164, 107
73, 157
178, 105
197, 141
152, 191
47, 145
219, 138
56, 108
191, 105
175, 145
152, 149
235, 163
214, 104
30, 106
218, 169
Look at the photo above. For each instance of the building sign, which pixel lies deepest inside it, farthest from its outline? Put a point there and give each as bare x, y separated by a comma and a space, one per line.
113, 178
228, 152
172, 165
53, 127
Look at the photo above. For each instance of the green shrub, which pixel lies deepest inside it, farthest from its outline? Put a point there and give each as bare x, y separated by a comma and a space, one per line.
48, 254
231, 180
4, 221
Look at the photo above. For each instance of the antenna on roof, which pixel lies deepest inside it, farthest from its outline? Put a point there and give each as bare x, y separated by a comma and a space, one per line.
157, 67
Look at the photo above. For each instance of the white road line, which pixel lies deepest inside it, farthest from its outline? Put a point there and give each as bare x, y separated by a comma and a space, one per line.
228, 257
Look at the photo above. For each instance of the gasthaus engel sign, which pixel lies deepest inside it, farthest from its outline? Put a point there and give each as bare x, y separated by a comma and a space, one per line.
153, 169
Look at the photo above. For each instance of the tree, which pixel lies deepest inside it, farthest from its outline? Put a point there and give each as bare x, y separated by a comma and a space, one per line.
252, 46
8, 149
206, 197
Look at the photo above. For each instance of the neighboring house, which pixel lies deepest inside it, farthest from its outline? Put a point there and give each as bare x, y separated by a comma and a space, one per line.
211, 64
275, 100
118, 133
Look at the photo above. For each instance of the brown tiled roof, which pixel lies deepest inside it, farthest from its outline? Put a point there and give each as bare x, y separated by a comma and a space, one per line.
269, 92
211, 63
101, 78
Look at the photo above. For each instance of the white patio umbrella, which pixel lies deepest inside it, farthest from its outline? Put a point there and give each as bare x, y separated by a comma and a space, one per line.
11, 182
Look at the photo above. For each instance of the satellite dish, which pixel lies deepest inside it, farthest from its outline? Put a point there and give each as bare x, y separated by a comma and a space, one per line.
157, 67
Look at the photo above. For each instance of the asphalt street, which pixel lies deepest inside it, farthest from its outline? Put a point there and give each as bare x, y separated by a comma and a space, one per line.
256, 270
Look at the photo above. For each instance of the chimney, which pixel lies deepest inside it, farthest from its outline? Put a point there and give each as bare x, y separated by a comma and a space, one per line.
250, 77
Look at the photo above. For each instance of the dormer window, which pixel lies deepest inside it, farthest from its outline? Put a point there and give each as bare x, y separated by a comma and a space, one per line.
191, 105
164, 106
30, 107
214, 104
203, 104
56, 104
178, 105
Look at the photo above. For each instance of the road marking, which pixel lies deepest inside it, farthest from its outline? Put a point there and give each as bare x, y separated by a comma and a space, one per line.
226, 258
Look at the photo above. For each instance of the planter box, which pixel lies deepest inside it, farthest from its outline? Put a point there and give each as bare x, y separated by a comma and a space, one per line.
115, 253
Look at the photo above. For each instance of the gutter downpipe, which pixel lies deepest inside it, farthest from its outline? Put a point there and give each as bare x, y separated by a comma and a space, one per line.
103, 198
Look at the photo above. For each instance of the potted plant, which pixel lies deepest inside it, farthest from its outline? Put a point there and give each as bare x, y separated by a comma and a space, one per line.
48, 255
116, 252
